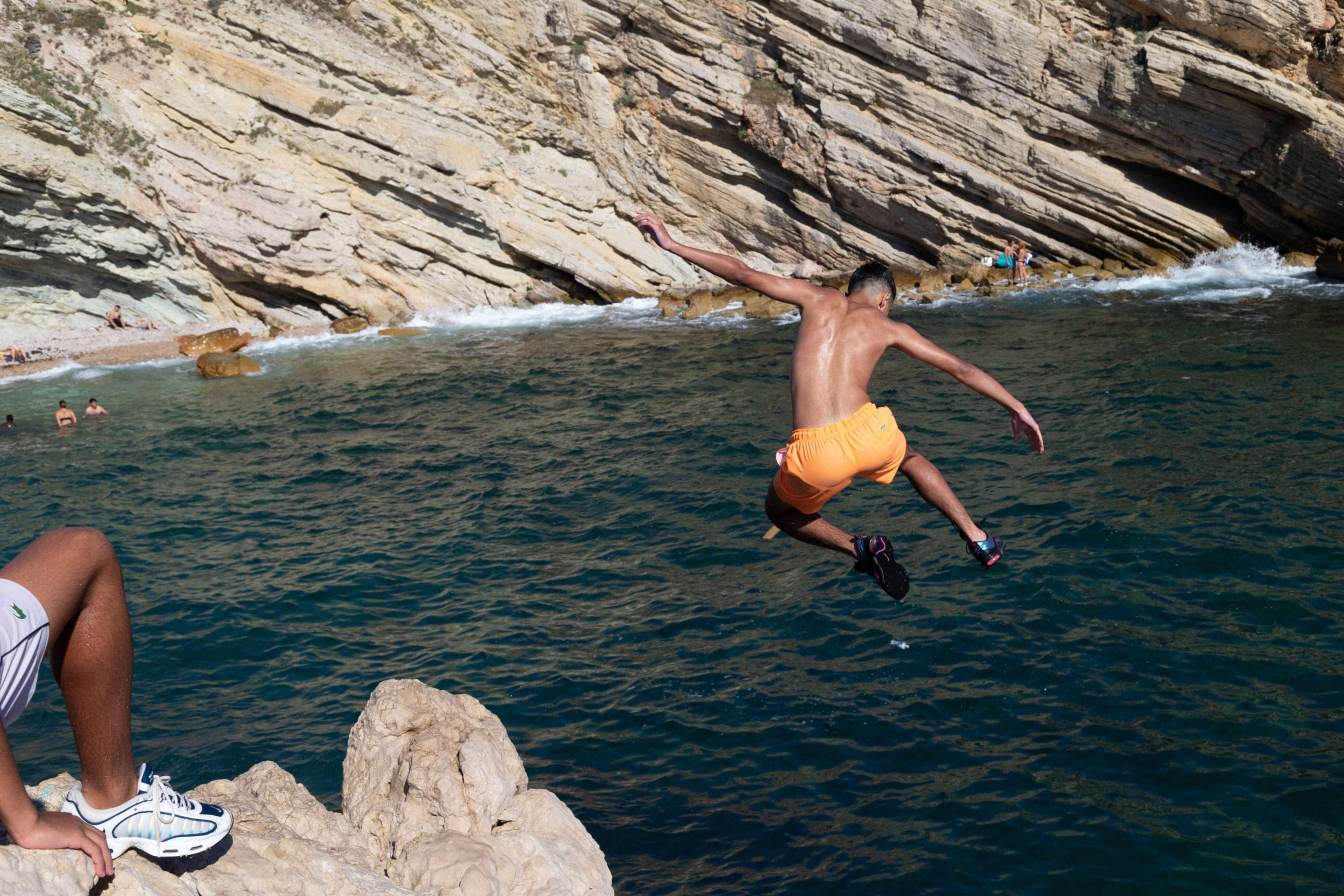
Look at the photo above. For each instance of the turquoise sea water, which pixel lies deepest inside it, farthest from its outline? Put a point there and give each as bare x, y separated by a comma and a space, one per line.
560, 514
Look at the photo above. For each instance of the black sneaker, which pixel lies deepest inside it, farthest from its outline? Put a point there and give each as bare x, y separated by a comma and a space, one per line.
988, 552
878, 559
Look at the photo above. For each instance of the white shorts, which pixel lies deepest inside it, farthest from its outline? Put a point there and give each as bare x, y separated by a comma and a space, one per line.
23, 643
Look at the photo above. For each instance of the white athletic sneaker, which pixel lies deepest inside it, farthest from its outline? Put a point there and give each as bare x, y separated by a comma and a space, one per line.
158, 820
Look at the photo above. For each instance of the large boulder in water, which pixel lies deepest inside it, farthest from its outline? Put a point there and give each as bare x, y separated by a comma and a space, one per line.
217, 364
349, 325
228, 339
1330, 264
436, 803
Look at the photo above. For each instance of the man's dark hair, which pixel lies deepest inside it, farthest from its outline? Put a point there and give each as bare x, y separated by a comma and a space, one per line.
9, 418
62, 402
93, 401
872, 274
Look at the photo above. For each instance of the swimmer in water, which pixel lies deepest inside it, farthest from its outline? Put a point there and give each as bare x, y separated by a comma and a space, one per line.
838, 432
95, 409
64, 416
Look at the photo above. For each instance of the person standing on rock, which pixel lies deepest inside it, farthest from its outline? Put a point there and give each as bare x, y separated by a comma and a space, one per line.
838, 432
64, 416
62, 597
1022, 259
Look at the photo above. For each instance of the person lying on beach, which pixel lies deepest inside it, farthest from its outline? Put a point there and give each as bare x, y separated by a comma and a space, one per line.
145, 324
62, 597
15, 355
65, 416
95, 409
838, 432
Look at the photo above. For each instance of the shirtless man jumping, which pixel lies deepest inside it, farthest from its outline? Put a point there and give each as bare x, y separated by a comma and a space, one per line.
838, 432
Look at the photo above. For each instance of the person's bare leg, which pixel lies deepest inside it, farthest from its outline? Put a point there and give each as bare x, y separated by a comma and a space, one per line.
932, 487
74, 574
807, 527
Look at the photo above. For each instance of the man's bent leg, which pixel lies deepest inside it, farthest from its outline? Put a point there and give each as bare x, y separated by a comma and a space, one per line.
933, 488
807, 527
74, 574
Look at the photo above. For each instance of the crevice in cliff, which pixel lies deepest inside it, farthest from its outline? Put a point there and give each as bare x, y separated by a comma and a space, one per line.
305, 121
39, 269
273, 295
25, 196
556, 279
447, 214
1183, 192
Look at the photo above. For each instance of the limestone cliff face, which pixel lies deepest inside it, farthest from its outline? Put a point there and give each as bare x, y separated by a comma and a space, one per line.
296, 160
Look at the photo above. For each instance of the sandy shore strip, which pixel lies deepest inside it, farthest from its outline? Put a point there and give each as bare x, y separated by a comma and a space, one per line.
97, 346
105, 347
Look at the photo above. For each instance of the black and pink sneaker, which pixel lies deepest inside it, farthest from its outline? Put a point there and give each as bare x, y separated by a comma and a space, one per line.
878, 559
988, 552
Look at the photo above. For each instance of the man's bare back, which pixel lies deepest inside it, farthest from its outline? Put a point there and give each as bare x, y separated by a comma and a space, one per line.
839, 343
838, 433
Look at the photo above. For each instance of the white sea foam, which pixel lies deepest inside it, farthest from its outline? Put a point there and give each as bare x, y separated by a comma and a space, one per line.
84, 372
307, 340
50, 373
545, 315
1225, 275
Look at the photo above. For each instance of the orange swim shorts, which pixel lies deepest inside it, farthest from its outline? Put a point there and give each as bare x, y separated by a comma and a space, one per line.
818, 463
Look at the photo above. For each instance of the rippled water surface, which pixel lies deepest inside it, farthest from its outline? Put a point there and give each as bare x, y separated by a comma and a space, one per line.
564, 521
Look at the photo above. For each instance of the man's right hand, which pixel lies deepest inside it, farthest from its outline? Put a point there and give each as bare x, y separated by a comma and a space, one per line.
654, 227
1024, 424
56, 830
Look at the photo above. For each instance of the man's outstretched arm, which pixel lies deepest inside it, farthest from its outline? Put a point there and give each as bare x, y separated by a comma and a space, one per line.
734, 270
905, 338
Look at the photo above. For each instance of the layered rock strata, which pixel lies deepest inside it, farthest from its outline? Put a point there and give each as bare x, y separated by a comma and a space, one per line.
301, 161
436, 803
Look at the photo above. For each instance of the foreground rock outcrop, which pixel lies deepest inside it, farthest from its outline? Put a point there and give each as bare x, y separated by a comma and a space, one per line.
212, 365
301, 161
436, 803
227, 339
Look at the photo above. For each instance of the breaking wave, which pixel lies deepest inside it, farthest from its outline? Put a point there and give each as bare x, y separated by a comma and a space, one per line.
1236, 273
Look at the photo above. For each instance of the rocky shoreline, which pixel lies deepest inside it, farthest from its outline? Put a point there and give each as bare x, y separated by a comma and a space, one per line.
435, 803
105, 347
929, 286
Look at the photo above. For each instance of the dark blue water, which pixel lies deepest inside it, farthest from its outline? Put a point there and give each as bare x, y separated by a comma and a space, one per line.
1146, 696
